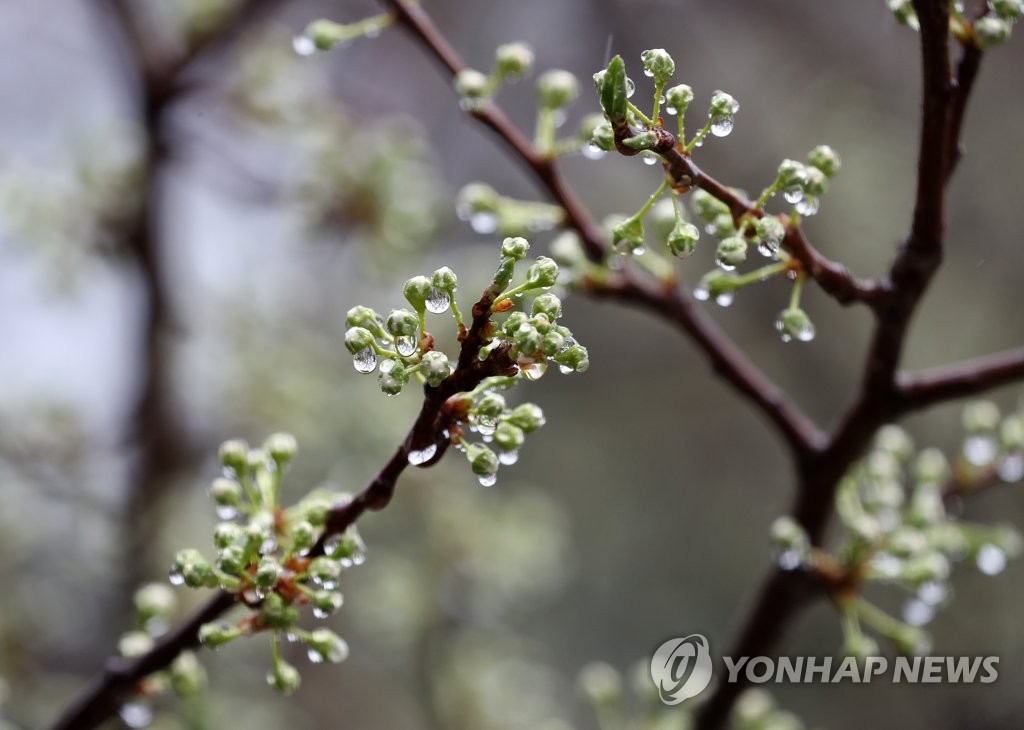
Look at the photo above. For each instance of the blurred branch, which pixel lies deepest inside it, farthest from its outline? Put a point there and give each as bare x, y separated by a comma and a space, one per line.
920, 390
102, 699
675, 305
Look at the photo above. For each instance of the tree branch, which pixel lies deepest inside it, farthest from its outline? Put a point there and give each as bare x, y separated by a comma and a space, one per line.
922, 389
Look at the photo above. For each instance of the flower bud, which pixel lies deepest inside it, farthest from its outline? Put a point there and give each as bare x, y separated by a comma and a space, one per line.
527, 416
477, 198
543, 273
787, 534
644, 140
217, 634
416, 291
402, 323
903, 11
515, 248
825, 159
792, 173
303, 535
324, 570
794, 324
193, 569
1009, 9
134, 644
678, 98
658, 64
981, 416
324, 644
282, 448
327, 602
931, 466
435, 367
906, 541
723, 105
731, 252
234, 455
548, 305
472, 85
445, 280
490, 405
232, 560
682, 240
896, 441
513, 59
817, 183
482, 460
284, 677
275, 613
603, 137
508, 437
155, 600
358, 339
990, 32
557, 88
628, 236
1011, 433
925, 567
226, 533
709, 207
392, 381
268, 570
554, 343
576, 359
188, 677
527, 339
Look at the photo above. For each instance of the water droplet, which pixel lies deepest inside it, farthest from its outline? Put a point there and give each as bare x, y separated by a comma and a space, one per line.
722, 126
226, 512
365, 360
1011, 469
405, 345
533, 370
886, 565
723, 265
136, 714
387, 366
991, 560
917, 613
768, 247
649, 158
592, 152
671, 110
793, 194
488, 480
422, 456
701, 293
303, 45
438, 301
808, 206
320, 613
371, 31
790, 559
725, 299
315, 656
483, 222
508, 458
933, 592
648, 73
980, 449
268, 546
176, 577
630, 88
485, 425
564, 369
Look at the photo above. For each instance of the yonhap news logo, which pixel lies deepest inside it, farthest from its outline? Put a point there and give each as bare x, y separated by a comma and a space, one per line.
682, 668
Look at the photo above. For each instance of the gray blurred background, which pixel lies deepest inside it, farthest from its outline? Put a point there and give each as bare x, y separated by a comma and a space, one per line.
639, 513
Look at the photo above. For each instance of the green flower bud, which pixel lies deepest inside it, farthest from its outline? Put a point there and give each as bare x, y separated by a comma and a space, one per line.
641, 141
513, 59
508, 437
931, 466
326, 34
358, 339
435, 367
658, 64
445, 280
348, 548
155, 600
275, 613
682, 240
188, 677
549, 305
527, 416
628, 236
731, 252
990, 31
981, 416
895, 441
787, 534
282, 448
191, 568
662, 217
490, 405
324, 644
909, 640
678, 98
416, 291
709, 207
770, 231
723, 105
1011, 433
903, 11
715, 285
825, 159
576, 359
817, 183
476, 198
226, 492
226, 533
284, 677
926, 505
792, 173
557, 88
924, 567
472, 85
217, 634
268, 570
326, 602
543, 273
601, 683
589, 125
528, 339
906, 541
303, 535
394, 379
603, 137
402, 323
324, 570
232, 560
553, 343
515, 248
234, 454
1009, 9
134, 644
794, 324
482, 460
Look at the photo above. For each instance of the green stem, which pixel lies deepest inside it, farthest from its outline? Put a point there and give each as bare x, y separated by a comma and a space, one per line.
545, 132
700, 135
761, 274
657, 101
767, 194
653, 199
494, 381
643, 117
455, 311
877, 619
794, 296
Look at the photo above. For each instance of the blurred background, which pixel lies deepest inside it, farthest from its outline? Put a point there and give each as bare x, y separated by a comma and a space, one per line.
175, 272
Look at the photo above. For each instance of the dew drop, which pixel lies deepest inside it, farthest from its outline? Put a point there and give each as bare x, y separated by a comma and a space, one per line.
534, 370
268, 546
724, 299
320, 613
933, 592
592, 152
649, 158
226, 512
488, 480
483, 222
768, 247
508, 458
808, 206
648, 73
314, 656
701, 293
422, 456
303, 45
438, 301
485, 425
564, 369
991, 560
558, 118
980, 449
630, 88
671, 110
136, 714
176, 577
917, 613
790, 560
387, 366
1011, 469
722, 126
793, 194
365, 360
405, 346
723, 265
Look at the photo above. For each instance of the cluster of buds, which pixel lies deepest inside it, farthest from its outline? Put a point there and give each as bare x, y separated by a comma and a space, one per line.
275, 559
991, 30
893, 507
487, 212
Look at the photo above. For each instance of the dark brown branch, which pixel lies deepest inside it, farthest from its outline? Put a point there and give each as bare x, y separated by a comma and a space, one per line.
935, 385
675, 305
101, 699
